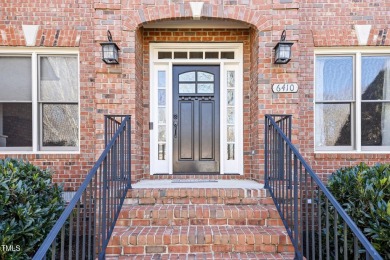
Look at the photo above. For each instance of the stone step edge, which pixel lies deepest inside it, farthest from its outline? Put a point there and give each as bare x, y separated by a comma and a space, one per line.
171, 249
179, 215
197, 193
207, 256
197, 200
198, 235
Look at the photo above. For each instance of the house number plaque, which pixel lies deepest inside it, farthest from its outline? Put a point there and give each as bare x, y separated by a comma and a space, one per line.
285, 88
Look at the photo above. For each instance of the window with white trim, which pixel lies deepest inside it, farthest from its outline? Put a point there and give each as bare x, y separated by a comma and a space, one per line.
352, 102
39, 102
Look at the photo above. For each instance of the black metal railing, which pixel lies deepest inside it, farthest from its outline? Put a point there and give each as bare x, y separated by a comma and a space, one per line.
317, 225
84, 228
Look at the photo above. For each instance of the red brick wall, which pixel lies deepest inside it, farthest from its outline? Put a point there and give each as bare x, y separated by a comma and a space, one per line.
123, 88
67, 23
331, 24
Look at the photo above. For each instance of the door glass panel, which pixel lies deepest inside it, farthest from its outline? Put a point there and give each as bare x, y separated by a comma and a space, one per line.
196, 55
227, 55
230, 152
206, 88
212, 55
161, 151
204, 76
230, 115
161, 133
186, 88
180, 55
188, 76
230, 133
164, 55
161, 115
161, 97
161, 79
230, 97
230, 79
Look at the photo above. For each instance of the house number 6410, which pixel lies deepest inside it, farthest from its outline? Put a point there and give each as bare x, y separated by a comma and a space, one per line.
285, 88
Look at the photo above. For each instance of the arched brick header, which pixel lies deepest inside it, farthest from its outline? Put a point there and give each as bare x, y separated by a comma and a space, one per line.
133, 19
14, 36
348, 37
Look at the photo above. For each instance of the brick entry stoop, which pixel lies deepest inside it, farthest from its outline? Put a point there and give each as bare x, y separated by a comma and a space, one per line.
199, 223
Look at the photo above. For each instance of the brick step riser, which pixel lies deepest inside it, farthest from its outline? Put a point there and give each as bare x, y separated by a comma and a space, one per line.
171, 249
198, 215
197, 196
199, 222
207, 255
228, 238
199, 201
190, 221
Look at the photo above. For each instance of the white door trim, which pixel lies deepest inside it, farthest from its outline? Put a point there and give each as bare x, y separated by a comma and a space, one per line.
165, 165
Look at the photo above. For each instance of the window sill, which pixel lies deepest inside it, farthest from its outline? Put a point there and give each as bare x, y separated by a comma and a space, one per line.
352, 152
39, 152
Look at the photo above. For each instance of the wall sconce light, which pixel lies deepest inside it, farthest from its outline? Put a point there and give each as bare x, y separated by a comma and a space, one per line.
283, 50
110, 51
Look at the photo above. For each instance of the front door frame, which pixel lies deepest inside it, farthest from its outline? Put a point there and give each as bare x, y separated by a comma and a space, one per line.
164, 165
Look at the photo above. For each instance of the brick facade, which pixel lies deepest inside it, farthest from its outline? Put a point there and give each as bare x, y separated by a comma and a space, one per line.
123, 88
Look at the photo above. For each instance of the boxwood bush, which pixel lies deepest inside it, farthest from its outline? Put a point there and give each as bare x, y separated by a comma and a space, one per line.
364, 192
30, 204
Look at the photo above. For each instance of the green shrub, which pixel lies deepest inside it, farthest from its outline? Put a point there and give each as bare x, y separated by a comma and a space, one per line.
364, 193
30, 204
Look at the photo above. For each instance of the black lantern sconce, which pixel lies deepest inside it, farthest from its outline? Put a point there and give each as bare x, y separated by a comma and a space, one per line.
110, 51
283, 50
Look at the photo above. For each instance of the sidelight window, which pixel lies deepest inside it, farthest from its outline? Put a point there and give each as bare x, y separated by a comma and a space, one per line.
162, 110
230, 115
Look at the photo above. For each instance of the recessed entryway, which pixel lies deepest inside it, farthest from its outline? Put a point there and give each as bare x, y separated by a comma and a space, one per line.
196, 108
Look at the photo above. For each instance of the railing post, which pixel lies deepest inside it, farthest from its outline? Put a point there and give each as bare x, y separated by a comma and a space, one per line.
266, 184
104, 189
280, 159
296, 209
128, 129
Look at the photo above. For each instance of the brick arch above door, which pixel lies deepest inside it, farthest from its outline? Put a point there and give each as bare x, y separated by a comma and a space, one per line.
260, 19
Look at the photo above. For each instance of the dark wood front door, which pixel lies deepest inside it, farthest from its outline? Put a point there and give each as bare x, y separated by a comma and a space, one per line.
195, 119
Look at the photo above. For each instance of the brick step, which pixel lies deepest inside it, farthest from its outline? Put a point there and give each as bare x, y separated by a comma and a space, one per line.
228, 196
206, 256
196, 239
180, 215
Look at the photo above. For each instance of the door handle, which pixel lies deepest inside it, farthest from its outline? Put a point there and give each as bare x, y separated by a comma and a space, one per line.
175, 129
175, 117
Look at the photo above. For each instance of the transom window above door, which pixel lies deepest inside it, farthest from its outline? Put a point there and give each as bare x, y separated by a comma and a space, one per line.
196, 82
204, 55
